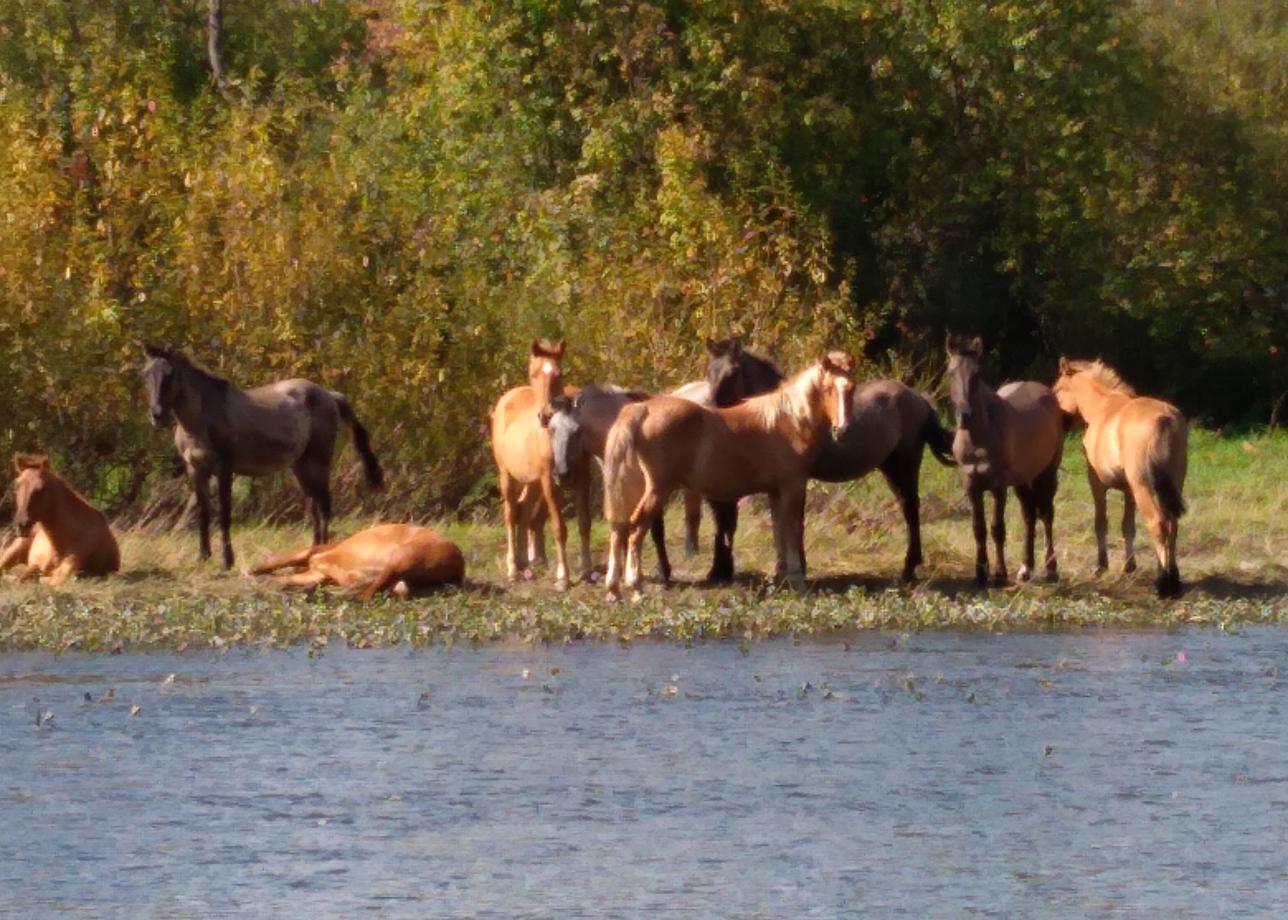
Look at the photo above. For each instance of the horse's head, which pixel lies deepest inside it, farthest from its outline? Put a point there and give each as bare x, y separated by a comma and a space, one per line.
1063, 388
545, 370
562, 419
30, 495
162, 383
837, 385
963, 377
726, 374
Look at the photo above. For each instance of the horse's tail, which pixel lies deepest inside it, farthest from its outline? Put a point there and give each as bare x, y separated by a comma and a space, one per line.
935, 436
362, 442
1161, 449
623, 478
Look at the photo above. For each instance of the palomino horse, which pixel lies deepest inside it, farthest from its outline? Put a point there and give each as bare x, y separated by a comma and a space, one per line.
766, 444
1135, 444
890, 425
225, 431
1013, 437
399, 558
59, 533
525, 465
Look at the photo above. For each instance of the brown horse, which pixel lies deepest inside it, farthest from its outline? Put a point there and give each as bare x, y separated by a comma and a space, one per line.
399, 558
525, 466
889, 427
1013, 437
765, 444
1134, 444
222, 431
60, 534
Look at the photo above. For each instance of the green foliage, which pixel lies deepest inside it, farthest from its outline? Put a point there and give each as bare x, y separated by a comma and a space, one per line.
399, 194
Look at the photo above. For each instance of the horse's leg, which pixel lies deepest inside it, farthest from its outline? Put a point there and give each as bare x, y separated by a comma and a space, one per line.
1154, 520
792, 504
981, 534
224, 476
902, 474
313, 480
1102, 520
511, 512
1173, 569
658, 532
15, 553
201, 491
1129, 531
534, 526
692, 521
551, 494
581, 500
65, 569
1029, 511
1000, 576
616, 556
649, 509
726, 517
1047, 484
778, 523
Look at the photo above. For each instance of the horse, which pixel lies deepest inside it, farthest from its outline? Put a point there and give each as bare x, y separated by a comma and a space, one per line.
698, 391
1013, 437
1137, 445
60, 534
525, 465
399, 558
889, 428
765, 444
225, 431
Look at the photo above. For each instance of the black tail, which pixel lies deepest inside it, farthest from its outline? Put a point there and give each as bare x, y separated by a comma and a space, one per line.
362, 442
1169, 496
937, 437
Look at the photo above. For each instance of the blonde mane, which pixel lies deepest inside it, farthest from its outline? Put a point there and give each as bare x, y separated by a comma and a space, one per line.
793, 400
1103, 374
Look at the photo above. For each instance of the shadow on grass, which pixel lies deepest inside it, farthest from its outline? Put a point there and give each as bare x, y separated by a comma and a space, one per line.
1225, 587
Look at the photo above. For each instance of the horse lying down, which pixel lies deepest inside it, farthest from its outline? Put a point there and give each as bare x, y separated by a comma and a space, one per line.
399, 558
60, 534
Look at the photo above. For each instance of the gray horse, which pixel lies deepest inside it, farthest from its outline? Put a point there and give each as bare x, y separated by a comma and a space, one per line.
223, 431
1012, 437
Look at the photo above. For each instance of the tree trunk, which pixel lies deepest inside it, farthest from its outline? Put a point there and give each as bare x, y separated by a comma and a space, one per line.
215, 46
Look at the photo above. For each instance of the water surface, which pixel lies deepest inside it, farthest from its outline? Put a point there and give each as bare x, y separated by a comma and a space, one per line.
1129, 774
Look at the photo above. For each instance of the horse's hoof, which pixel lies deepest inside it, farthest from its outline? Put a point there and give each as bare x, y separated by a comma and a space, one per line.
637, 596
909, 576
561, 584
1129, 566
1052, 576
1101, 568
1000, 580
1025, 573
528, 575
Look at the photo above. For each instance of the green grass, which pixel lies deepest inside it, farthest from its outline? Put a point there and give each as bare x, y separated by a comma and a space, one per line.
1233, 555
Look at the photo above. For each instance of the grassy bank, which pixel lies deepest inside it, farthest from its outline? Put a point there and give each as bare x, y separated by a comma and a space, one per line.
1234, 559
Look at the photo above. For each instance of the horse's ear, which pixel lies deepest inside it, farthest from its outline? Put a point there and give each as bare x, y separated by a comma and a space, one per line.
838, 362
713, 347
735, 347
30, 462
154, 351
559, 347
976, 346
1064, 366
536, 350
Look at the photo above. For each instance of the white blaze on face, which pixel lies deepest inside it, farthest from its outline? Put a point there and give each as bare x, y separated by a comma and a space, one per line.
548, 368
842, 403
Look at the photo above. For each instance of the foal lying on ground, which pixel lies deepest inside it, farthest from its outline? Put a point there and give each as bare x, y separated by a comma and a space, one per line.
766, 444
60, 534
399, 558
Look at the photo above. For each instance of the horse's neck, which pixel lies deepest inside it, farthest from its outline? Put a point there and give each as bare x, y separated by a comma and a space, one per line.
60, 523
203, 395
1096, 401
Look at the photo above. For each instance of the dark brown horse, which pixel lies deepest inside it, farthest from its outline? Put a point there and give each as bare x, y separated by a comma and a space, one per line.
223, 431
890, 426
1011, 437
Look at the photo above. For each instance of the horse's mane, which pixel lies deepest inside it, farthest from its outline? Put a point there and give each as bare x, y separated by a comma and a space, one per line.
182, 359
1103, 374
791, 400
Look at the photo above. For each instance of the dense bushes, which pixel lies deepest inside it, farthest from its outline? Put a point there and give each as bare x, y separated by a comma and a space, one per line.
395, 195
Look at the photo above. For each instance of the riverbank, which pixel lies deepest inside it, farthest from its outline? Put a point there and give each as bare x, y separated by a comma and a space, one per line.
1233, 553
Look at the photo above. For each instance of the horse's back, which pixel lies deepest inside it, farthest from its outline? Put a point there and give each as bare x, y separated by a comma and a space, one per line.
1152, 432
276, 422
1033, 432
887, 416
421, 556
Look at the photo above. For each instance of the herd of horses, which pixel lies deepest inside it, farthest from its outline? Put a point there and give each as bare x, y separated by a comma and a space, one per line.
746, 429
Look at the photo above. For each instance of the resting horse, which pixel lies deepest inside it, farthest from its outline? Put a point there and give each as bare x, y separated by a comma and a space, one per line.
1013, 437
889, 426
223, 431
1134, 444
399, 558
60, 534
765, 444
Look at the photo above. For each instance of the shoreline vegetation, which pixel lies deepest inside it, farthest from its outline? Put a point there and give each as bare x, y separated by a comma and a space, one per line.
1233, 555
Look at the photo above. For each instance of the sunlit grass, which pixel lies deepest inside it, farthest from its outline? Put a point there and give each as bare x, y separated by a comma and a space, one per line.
1234, 560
